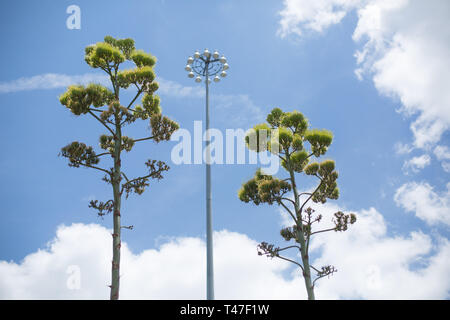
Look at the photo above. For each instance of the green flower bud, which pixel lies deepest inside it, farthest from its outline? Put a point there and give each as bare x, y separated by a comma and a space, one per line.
312, 169
162, 127
142, 76
299, 160
141, 59
79, 98
326, 167
297, 143
296, 121
274, 117
103, 54
126, 46
285, 137
320, 140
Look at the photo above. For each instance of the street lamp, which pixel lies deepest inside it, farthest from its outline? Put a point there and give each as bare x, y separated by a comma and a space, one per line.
206, 65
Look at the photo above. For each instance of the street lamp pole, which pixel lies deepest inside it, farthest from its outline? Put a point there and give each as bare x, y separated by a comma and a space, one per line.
206, 65
209, 240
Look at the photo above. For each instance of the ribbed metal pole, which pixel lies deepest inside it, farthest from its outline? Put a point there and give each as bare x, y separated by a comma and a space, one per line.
209, 239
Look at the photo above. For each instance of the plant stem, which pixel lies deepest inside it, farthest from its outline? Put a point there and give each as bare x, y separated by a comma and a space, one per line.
301, 240
116, 178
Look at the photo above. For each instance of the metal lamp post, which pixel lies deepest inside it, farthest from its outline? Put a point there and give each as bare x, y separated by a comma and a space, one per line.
202, 66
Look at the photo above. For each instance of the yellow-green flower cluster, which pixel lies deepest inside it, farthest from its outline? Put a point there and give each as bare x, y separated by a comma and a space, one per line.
162, 127
263, 189
143, 59
328, 187
320, 140
79, 98
79, 154
141, 75
103, 55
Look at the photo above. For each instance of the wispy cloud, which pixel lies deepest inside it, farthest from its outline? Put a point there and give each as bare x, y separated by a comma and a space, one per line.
416, 164
173, 88
238, 109
442, 153
50, 81
401, 148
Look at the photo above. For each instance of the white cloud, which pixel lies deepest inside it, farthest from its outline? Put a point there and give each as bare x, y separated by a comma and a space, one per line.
299, 16
42, 274
428, 205
51, 81
237, 109
371, 265
176, 270
54, 80
172, 88
442, 153
401, 148
416, 164
405, 48
446, 166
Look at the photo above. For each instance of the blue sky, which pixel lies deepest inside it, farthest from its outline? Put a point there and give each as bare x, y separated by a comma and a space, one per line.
278, 58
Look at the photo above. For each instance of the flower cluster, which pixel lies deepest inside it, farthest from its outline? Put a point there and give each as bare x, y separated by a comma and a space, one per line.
79, 154
263, 189
79, 98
